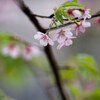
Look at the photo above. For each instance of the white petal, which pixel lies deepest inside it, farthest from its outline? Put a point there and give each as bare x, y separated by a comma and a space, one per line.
61, 39
43, 42
55, 37
5, 51
14, 53
68, 42
68, 34
37, 36
86, 24
51, 42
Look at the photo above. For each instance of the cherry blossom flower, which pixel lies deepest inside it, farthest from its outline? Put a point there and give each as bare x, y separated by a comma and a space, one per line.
67, 42
80, 27
11, 50
62, 35
30, 51
74, 13
79, 13
44, 39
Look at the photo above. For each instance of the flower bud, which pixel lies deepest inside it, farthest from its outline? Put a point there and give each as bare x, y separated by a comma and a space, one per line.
77, 13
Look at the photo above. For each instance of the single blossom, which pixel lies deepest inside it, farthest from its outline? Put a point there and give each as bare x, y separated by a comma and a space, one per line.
79, 13
80, 27
11, 50
62, 35
86, 13
67, 42
44, 39
30, 51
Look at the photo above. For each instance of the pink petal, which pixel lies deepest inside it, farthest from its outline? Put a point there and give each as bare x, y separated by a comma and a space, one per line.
60, 46
86, 24
82, 29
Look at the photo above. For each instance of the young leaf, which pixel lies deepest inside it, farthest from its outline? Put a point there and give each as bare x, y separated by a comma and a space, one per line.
58, 16
67, 4
56, 24
74, 0
87, 62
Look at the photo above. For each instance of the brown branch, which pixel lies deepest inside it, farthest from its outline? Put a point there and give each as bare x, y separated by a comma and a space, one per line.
29, 14
54, 67
40, 16
48, 50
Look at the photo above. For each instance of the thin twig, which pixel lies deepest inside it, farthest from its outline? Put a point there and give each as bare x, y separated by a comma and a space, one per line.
67, 24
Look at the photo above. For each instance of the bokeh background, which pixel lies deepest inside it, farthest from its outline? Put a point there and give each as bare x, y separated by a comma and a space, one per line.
12, 20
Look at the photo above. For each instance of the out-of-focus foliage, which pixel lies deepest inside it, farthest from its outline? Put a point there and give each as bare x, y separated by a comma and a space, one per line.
3, 97
82, 78
17, 71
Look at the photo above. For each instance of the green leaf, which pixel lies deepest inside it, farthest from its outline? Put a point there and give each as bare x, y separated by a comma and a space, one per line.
96, 94
64, 14
58, 16
68, 74
67, 4
76, 92
1, 96
85, 65
87, 62
74, 0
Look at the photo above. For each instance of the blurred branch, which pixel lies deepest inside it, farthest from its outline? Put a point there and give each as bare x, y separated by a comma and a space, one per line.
23, 41
48, 51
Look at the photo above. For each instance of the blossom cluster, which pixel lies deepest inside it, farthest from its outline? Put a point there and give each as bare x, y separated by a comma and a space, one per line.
64, 36
15, 51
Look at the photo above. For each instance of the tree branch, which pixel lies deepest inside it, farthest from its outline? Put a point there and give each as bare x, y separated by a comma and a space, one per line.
47, 49
40, 16
93, 16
